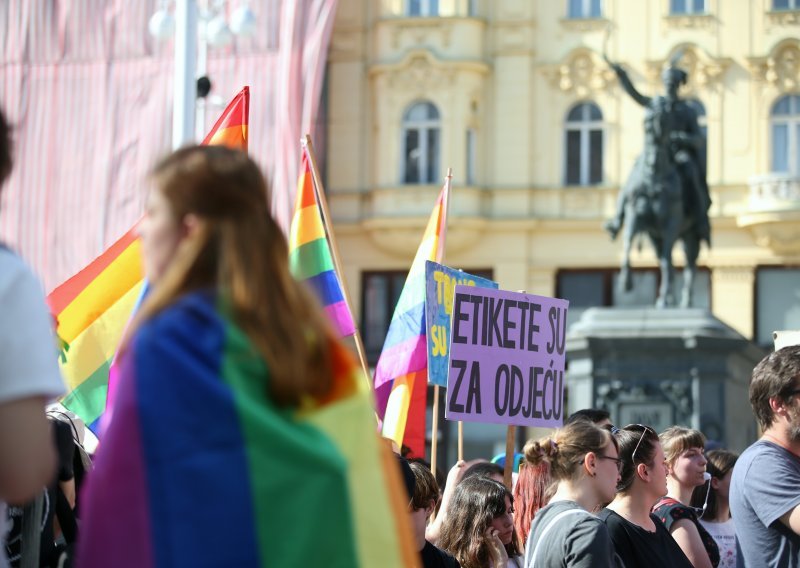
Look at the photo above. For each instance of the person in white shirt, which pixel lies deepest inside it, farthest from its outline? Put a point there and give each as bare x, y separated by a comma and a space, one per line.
716, 510
29, 375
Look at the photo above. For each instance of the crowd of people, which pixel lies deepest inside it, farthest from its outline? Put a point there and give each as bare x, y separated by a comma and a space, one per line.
588, 494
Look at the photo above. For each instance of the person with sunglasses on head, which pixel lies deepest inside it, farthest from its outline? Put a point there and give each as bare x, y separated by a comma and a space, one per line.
717, 516
686, 467
639, 537
583, 462
765, 485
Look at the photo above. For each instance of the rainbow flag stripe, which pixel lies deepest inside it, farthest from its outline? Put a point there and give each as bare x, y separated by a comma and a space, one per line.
310, 256
231, 127
402, 371
196, 436
93, 307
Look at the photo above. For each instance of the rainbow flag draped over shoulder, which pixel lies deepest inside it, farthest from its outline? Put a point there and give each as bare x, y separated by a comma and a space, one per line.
200, 468
401, 376
310, 256
93, 307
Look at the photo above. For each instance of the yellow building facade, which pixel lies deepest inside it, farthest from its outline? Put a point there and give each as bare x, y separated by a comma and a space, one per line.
516, 97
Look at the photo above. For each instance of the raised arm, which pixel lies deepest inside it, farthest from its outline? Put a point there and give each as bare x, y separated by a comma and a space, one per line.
625, 81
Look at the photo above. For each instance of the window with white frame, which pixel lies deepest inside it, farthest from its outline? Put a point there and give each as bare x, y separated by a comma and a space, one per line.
584, 145
585, 9
677, 7
421, 134
786, 135
422, 8
785, 4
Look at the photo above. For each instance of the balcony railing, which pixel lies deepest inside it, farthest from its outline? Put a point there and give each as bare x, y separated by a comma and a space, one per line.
774, 192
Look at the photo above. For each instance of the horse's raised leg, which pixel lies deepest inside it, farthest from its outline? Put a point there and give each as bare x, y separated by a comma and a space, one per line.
691, 249
625, 279
664, 253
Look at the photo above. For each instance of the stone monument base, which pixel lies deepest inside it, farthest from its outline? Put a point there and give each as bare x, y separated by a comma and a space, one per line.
663, 367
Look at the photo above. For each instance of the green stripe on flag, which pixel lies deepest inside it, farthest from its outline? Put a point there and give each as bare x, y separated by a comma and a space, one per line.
88, 399
310, 259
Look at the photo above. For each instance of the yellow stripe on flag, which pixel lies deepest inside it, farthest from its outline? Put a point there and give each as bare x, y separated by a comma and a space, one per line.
306, 227
394, 421
115, 281
97, 344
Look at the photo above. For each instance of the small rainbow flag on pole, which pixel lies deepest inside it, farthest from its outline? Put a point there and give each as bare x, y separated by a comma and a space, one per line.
93, 307
310, 258
401, 376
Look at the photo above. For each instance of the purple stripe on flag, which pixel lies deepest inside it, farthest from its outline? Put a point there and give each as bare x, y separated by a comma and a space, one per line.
339, 315
400, 359
119, 485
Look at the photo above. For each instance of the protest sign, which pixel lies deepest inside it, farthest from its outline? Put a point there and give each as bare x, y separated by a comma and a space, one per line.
440, 282
507, 355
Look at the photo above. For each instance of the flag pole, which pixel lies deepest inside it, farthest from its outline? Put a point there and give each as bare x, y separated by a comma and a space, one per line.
323, 203
440, 259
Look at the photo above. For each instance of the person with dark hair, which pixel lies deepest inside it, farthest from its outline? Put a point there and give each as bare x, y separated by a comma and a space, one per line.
29, 374
764, 495
583, 461
686, 467
599, 416
639, 537
479, 528
485, 469
423, 501
714, 502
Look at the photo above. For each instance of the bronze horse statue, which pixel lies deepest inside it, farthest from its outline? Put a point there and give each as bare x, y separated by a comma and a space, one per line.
665, 198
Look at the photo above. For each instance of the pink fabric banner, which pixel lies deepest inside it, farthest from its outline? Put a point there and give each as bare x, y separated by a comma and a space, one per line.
89, 92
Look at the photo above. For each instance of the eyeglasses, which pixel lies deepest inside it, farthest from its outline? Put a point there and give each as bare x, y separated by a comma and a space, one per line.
792, 393
617, 460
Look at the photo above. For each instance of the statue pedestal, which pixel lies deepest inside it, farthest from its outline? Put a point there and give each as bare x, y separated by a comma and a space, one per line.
664, 367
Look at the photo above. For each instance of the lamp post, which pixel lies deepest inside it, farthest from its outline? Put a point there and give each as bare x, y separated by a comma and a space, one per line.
195, 27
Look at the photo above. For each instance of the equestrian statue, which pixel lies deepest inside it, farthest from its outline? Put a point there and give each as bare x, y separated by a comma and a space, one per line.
666, 196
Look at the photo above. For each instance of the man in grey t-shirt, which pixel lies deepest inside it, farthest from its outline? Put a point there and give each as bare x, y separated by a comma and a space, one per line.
765, 487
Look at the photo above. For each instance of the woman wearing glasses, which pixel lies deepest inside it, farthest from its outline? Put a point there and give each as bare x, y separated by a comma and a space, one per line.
686, 466
583, 462
639, 537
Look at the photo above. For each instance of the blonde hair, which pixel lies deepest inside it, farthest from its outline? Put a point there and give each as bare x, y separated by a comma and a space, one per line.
240, 251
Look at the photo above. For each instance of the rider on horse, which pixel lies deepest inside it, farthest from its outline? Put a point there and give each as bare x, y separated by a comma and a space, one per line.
685, 149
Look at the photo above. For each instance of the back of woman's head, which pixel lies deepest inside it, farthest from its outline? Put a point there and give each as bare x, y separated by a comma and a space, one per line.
719, 464
532, 492
637, 445
677, 439
483, 469
475, 503
240, 250
563, 452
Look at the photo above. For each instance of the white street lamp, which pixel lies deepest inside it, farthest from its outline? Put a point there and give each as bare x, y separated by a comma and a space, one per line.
195, 27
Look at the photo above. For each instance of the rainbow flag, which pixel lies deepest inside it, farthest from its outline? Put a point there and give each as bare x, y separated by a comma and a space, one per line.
231, 127
93, 307
200, 468
310, 256
401, 376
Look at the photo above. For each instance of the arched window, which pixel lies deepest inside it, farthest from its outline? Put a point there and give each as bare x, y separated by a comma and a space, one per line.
421, 131
786, 135
584, 145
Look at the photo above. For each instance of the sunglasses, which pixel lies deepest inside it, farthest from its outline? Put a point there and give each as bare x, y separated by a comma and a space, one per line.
645, 430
